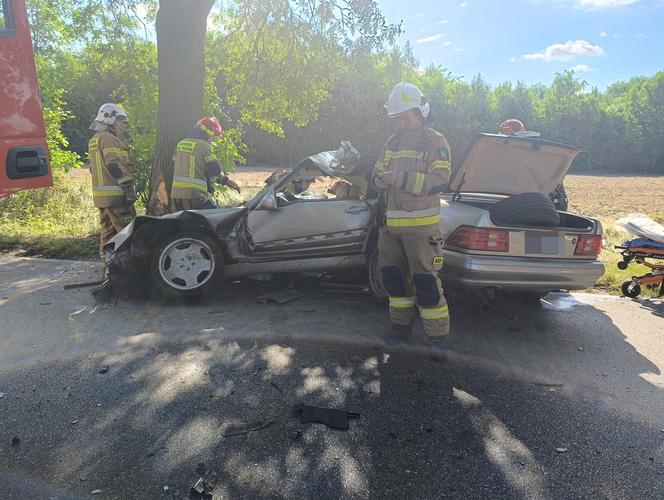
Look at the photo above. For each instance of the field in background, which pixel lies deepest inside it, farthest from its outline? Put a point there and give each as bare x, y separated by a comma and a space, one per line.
608, 198
62, 223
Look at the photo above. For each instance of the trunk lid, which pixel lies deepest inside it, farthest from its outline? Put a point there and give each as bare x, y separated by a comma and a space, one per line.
509, 165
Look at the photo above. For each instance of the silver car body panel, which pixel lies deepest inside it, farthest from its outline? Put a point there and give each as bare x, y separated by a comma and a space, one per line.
318, 264
477, 272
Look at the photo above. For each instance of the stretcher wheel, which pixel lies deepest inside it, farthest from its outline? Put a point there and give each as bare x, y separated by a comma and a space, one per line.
630, 289
622, 265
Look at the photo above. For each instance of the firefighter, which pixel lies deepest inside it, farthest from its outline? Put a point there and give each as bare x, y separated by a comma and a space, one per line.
197, 169
112, 184
413, 169
511, 126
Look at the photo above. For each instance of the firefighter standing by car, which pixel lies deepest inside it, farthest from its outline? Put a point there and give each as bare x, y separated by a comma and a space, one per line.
197, 169
112, 184
414, 168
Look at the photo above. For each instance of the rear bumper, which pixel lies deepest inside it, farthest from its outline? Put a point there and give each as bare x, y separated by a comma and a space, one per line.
519, 274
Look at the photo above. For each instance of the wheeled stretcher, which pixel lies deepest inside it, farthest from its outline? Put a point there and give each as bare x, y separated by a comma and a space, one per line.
648, 245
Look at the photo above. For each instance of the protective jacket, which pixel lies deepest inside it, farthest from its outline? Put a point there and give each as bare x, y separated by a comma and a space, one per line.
195, 168
421, 162
110, 167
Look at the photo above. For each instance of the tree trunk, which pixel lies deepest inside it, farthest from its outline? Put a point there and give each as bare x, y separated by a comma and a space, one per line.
181, 27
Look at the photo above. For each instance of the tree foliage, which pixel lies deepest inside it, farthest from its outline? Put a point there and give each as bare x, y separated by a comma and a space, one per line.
290, 78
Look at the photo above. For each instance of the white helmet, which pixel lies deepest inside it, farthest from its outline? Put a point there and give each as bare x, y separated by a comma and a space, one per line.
405, 96
109, 112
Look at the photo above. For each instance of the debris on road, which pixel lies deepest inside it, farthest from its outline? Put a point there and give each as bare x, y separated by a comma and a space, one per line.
74, 286
104, 370
281, 296
274, 384
95, 492
104, 294
236, 430
202, 489
15, 441
561, 450
333, 418
330, 287
580, 348
2, 395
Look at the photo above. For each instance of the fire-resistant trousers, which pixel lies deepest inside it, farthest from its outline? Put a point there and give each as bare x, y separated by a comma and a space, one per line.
410, 260
112, 220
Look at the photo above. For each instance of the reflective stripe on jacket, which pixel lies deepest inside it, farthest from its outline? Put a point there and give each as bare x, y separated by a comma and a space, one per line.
189, 173
106, 149
421, 162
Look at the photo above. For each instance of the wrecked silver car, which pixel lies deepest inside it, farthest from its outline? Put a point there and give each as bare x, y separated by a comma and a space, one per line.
502, 231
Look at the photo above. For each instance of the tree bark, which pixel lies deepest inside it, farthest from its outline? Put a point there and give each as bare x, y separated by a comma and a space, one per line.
180, 27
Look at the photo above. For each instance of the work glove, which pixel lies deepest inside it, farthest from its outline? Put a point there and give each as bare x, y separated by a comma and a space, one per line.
129, 191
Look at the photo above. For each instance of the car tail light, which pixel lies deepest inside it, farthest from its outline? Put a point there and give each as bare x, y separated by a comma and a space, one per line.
482, 239
588, 245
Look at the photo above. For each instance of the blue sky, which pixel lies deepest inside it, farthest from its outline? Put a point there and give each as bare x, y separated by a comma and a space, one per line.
530, 40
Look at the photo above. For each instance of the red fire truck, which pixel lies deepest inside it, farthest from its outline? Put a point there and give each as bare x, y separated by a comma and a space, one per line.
24, 161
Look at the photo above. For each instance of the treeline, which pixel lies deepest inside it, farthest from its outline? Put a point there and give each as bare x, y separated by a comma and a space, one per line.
620, 130
286, 94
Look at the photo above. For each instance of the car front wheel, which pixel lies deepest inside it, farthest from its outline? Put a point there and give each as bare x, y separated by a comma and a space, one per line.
186, 265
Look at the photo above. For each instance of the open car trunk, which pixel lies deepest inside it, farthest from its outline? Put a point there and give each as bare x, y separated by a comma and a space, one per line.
515, 179
509, 165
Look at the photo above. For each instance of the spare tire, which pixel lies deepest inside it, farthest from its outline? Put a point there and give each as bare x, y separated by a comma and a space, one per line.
527, 209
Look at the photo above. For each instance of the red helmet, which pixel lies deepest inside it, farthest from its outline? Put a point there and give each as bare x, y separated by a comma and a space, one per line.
511, 127
211, 126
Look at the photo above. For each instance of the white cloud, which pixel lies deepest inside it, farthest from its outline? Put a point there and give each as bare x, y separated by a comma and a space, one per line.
439, 23
640, 35
512, 59
430, 39
582, 68
417, 16
447, 44
463, 5
567, 51
603, 4
589, 4
603, 34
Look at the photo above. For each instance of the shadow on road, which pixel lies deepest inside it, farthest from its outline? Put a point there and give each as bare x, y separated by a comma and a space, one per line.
524, 410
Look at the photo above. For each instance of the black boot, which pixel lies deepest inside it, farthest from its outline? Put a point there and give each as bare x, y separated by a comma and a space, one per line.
398, 334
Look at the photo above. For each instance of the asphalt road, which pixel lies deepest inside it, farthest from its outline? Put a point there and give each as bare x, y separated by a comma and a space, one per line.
564, 399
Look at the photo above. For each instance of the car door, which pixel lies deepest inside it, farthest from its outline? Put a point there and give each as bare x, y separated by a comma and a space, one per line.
310, 228
24, 162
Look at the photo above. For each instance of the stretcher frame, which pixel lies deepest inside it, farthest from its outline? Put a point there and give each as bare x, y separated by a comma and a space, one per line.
632, 288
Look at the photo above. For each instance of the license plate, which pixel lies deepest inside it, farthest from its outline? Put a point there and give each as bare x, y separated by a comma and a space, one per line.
543, 243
